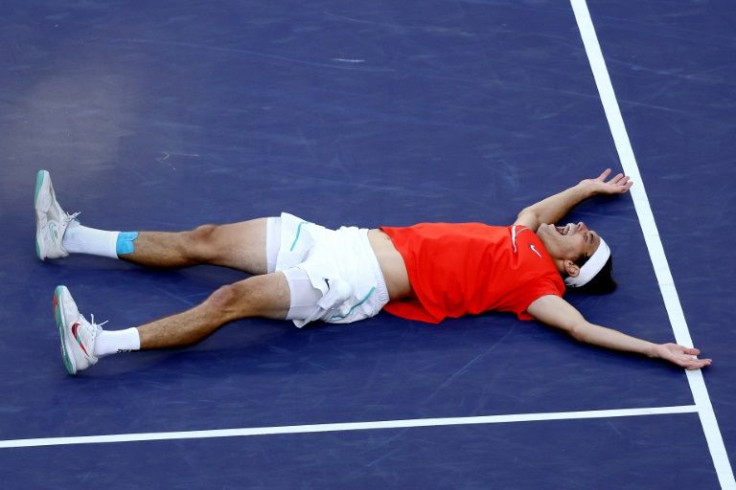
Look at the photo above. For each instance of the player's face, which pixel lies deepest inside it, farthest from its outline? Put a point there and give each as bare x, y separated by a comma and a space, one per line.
569, 241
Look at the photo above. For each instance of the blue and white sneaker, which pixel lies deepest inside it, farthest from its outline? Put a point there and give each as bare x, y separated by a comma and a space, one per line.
77, 334
51, 221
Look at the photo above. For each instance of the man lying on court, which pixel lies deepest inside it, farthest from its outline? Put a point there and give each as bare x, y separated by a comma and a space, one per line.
304, 272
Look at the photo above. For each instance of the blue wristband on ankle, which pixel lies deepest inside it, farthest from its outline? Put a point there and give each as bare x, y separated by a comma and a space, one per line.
126, 242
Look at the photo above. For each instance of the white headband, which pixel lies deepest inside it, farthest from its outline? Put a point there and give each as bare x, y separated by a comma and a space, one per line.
592, 267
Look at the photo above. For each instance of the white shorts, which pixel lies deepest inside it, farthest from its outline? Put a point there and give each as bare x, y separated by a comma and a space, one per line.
340, 265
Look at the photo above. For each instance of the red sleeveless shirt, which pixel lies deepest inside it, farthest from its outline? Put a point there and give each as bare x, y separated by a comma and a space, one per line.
470, 268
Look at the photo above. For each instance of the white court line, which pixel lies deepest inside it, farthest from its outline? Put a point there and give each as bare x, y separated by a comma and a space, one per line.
353, 426
653, 241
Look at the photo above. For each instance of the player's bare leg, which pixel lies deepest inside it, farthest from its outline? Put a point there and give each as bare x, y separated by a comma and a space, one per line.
265, 296
239, 246
83, 342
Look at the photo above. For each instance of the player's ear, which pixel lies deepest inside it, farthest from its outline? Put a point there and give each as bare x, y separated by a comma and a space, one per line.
571, 268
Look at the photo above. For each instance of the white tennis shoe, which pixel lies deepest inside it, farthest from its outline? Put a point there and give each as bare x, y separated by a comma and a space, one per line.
51, 221
77, 334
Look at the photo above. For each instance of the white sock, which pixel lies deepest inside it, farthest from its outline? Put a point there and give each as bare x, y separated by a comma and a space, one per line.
84, 240
115, 341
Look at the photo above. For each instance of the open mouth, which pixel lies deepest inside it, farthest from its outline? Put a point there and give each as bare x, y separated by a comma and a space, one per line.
564, 230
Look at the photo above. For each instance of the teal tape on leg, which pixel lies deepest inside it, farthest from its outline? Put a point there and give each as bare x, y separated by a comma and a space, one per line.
126, 242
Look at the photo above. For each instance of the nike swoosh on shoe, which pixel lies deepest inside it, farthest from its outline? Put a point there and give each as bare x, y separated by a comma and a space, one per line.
74, 329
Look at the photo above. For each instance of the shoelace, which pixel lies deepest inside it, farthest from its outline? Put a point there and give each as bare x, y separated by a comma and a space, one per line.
92, 318
71, 217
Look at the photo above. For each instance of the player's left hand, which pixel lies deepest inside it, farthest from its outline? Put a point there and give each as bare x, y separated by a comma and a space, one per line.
682, 356
619, 184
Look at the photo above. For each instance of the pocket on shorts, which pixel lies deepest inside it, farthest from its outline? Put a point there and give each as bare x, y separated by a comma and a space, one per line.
359, 308
298, 237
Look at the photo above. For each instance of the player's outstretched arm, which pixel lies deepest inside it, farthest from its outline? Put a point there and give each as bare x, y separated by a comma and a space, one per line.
554, 208
558, 313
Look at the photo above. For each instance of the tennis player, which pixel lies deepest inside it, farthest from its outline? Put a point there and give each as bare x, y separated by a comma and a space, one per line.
303, 272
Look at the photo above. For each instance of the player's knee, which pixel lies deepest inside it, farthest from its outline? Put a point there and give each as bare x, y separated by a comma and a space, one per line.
203, 234
243, 299
201, 241
257, 296
226, 300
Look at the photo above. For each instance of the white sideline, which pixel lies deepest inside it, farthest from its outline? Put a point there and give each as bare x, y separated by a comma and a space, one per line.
353, 426
653, 241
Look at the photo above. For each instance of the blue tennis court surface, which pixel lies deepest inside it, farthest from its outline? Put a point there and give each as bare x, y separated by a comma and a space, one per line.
162, 116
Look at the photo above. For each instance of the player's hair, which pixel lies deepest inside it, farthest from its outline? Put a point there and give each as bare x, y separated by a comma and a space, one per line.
602, 283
